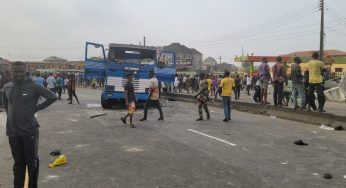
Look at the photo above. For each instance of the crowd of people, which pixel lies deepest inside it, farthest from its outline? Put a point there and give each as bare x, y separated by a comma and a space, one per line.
287, 86
22, 94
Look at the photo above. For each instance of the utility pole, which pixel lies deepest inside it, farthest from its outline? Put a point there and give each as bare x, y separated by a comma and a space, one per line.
220, 59
144, 41
322, 31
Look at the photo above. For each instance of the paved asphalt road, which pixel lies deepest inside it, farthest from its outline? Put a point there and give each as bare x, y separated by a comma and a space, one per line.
250, 151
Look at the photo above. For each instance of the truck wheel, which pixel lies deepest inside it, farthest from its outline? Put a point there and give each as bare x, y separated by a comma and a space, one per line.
106, 104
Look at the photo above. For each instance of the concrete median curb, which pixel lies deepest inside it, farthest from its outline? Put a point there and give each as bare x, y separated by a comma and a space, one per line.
268, 110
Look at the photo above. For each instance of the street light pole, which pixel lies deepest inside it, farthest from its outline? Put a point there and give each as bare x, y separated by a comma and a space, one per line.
322, 31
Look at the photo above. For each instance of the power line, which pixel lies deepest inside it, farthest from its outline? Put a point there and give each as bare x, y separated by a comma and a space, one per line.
288, 18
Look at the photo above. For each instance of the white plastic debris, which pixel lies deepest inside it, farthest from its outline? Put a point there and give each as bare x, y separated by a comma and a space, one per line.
93, 105
326, 127
273, 117
284, 163
315, 174
344, 176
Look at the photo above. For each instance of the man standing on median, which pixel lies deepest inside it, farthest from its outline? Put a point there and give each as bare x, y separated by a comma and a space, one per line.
20, 99
227, 85
264, 77
297, 84
154, 96
316, 82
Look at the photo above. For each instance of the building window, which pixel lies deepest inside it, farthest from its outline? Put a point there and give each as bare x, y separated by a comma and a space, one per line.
338, 69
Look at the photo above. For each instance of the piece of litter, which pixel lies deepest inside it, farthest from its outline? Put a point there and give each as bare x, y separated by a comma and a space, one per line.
326, 127
300, 143
132, 149
327, 176
55, 152
98, 115
64, 132
339, 128
284, 163
61, 160
36, 116
314, 174
74, 120
344, 176
94, 106
82, 145
48, 178
273, 117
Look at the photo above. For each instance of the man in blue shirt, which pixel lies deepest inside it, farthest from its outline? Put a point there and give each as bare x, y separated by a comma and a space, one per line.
59, 85
39, 79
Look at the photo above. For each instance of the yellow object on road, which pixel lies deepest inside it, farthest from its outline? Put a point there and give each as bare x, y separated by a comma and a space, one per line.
61, 160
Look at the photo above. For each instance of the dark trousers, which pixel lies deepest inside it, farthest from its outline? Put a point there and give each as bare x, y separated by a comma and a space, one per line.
320, 95
152, 103
278, 92
237, 92
227, 106
59, 90
24, 152
248, 87
71, 94
53, 90
203, 104
257, 95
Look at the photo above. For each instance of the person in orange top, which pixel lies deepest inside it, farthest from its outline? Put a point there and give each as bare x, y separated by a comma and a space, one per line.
227, 85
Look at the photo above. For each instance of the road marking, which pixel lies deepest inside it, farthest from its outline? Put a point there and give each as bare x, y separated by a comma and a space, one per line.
212, 137
82, 145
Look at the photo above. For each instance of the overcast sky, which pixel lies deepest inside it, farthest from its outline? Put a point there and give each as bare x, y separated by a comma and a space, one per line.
36, 29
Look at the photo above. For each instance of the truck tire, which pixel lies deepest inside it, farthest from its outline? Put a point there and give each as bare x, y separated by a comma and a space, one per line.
106, 104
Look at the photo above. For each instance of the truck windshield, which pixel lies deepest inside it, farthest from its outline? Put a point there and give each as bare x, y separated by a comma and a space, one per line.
132, 56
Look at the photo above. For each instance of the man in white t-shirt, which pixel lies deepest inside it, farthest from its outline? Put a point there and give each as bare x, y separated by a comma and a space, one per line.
51, 83
154, 96
248, 84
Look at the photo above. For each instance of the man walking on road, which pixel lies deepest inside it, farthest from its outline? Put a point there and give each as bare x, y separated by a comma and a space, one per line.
248, 84
202, 97
20, 102
51, 83
227, 85
264, 77
59, 85
130, 99
154, 97
72, 89
297, 84
39, 79
316, 68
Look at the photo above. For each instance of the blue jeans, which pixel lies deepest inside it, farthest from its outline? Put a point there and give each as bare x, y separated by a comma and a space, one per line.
227, 106
298, 89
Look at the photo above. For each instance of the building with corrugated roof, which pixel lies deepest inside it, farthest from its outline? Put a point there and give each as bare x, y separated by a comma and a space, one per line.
185, 57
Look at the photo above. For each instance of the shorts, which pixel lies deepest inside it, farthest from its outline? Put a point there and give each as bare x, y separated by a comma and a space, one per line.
131, 108
264, 83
